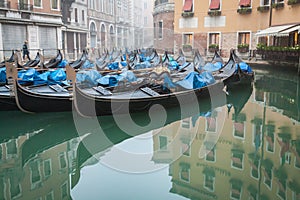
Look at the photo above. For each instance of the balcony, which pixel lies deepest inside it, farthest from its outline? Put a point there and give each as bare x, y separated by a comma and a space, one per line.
245, 10
292, 2
187, 14
5, 5
278, 5
263, 8
213, 13
25, 7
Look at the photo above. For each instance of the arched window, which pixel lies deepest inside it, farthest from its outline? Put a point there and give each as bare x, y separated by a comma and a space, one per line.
102, 37
93, 34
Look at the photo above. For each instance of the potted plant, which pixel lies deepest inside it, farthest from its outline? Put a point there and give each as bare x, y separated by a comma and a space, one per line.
278, 5
244, 10
214, 12
187, 14
243, 47
291, 2
187, 47
213, 47
263, 8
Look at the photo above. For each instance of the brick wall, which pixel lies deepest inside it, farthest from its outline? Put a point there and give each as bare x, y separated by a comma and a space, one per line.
167, 41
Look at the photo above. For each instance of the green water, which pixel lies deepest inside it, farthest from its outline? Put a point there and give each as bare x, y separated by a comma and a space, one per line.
245, 147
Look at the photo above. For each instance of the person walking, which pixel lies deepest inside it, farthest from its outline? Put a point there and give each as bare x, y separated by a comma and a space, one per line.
25, 50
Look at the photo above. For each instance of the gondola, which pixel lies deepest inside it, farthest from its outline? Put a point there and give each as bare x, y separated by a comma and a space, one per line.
10, 60
35, 62
99, 101
78, 63
213, 66
53, 63
243, 74
41, 98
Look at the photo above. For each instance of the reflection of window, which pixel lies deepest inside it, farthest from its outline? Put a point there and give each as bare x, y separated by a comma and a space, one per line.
2, 188
188, 38
15, 188
281, 190
47, 168
254, 168
239, 129
268, 177
160, 30
214, 38
64, 191
185, 123
50, 196
237, 158
209, 178
185, 148
163, 141
184, 173
62, 161
188, 6
210, 149
37, 3
11, 148
35, 174
270, 138
214, 5
244, 38
236, 189
211, 124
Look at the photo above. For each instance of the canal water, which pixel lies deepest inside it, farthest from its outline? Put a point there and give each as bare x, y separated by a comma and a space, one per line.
243, 146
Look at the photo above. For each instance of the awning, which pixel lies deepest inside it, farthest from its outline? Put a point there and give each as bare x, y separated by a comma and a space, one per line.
274, 30
245, 3
292, 29
188, 5
214, 5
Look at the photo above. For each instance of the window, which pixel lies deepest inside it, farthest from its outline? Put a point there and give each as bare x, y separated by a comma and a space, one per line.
50, 196
245, 3
76, 15
163, 142
265, 2
37, 3
214, 38
244, 38
64, 191
83, 16
154, 30
145, 20
145, 5
209, 178
15, 188
47, 168
188, 39
160, 30
214, 5
54, 4
211, 124
35, 174
62, 161
184, 173
186, 148
188, 6
237, 158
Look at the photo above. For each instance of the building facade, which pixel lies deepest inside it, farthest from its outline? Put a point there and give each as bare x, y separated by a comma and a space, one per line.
39, 22
234, 24
163, 25
75, 29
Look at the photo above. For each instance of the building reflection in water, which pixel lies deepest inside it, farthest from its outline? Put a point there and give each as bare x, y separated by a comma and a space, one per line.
256, 156
248, 148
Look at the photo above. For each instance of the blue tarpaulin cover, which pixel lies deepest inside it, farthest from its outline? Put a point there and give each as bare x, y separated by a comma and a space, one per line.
244, 67
87, 65
2, 75
32, 76
195, 80
89, 77
211, 67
